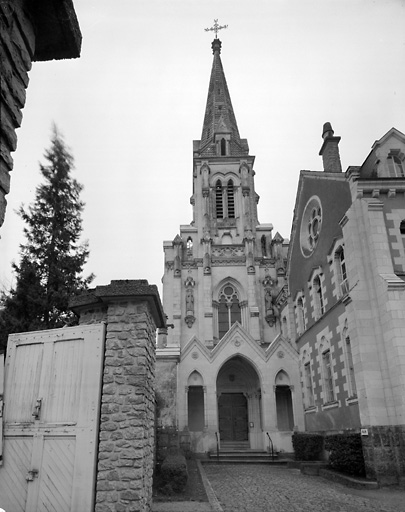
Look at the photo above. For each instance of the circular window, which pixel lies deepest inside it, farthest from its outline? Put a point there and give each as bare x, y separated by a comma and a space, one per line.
311, 224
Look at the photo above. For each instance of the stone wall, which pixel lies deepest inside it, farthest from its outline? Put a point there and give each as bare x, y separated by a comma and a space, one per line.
132, 311
166, 391
29, 31
384, 454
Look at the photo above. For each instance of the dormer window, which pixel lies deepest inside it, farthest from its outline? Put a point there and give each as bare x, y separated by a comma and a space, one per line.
395, 166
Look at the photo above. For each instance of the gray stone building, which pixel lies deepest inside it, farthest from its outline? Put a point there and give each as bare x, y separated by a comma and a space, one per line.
225, 368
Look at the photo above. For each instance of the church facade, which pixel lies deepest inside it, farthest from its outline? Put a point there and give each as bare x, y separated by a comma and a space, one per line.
266, 337
226, 368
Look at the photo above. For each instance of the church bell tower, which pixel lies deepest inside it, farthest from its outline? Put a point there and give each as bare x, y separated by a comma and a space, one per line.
223, 279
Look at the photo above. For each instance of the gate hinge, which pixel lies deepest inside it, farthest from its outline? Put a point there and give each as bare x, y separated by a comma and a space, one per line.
31, 475
37, 409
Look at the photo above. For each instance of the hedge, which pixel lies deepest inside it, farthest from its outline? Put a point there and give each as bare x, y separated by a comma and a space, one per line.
307, 446
173, 474
346, 453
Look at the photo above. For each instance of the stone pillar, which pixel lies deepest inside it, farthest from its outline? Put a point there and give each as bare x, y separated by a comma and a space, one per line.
133, 311
185, 419
205, 408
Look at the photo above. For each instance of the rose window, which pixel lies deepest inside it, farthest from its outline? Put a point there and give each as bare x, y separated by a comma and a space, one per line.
314, 227
311, 224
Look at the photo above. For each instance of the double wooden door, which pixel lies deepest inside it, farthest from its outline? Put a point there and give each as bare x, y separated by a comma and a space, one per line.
233, 417
51, 414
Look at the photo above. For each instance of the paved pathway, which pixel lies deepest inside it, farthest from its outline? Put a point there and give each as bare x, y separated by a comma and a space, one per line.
261, 488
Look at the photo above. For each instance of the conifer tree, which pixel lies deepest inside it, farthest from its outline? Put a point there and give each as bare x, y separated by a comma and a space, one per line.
52, 258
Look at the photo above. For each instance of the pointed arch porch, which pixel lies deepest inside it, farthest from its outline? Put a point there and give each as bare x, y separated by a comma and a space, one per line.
239, 410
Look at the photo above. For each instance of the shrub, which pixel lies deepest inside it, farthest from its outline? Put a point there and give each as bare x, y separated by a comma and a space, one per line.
173, 473
307, 446
346, 453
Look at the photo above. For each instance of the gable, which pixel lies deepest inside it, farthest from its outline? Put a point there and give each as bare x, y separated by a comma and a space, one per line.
237, 341
375, 165
329, 196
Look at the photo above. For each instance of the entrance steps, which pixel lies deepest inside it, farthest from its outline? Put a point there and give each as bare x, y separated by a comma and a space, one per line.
240, 453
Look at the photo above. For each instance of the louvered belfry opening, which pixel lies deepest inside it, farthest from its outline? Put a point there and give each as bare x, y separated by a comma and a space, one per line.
219, 204
231, 200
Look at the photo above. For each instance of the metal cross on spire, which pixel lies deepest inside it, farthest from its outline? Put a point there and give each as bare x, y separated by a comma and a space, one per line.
215, 28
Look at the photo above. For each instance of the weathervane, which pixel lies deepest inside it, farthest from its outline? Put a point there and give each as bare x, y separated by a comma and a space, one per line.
215, 28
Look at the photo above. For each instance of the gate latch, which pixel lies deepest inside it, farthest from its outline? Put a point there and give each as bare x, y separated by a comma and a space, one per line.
31, 475
37, 409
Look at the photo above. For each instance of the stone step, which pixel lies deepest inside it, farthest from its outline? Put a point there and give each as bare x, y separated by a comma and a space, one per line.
244, 460
250, 456
231, 445
242, 453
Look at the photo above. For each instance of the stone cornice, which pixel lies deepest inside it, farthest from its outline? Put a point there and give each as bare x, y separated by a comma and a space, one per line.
126, 290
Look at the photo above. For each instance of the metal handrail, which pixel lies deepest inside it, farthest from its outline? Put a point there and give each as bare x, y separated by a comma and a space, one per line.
271, 449
217, 436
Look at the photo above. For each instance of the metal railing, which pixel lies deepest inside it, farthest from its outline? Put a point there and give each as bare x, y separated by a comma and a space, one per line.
217, 436
271, 448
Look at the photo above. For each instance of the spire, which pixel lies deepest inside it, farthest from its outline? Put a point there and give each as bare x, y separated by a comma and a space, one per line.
220, 134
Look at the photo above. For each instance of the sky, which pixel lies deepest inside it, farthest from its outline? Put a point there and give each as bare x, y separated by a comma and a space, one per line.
131, 105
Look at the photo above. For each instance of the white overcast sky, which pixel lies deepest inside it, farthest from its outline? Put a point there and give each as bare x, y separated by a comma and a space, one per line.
130, 107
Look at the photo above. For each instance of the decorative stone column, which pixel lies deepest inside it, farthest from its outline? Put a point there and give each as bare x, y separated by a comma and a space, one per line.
132, 311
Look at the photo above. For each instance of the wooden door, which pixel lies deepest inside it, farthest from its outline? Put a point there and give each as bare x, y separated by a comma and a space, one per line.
233, 417
51, 414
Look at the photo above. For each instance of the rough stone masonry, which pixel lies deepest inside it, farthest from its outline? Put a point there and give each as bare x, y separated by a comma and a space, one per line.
132, 311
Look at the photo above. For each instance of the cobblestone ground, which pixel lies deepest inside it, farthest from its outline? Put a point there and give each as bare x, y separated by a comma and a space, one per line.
260, 488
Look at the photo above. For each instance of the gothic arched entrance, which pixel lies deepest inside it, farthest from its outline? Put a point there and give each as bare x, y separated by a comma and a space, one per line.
239, 401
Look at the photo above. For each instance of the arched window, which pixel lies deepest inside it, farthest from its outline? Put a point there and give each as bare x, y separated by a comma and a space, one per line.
264, 245
351, 382
189, 245
319, 307
228, 309
231, 200
328, 385
195, 402
284, 328
223, 147
284, 409
309, 389
341, 271
395, 166
307, 380
225, 200
300, 315
219, 205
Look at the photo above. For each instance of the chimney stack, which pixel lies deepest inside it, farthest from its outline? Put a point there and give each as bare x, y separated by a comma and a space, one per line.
330, 150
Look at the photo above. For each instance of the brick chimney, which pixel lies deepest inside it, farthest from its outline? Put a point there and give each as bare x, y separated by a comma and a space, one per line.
330, 150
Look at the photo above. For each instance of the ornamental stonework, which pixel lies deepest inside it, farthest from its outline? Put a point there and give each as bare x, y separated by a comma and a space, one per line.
228, 251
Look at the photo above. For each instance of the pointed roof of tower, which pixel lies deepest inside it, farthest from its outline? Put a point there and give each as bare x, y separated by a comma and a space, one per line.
219, 115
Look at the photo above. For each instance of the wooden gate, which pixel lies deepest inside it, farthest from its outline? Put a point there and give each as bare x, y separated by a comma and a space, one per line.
51, 414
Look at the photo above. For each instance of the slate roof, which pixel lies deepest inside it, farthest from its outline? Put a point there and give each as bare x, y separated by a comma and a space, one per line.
219, 115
